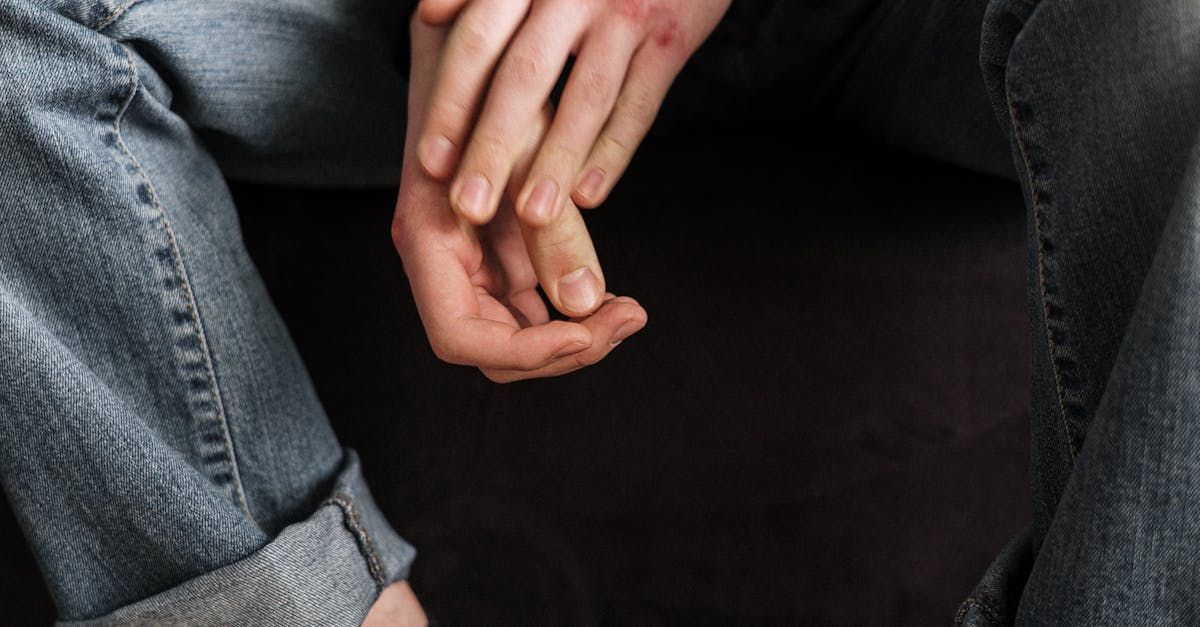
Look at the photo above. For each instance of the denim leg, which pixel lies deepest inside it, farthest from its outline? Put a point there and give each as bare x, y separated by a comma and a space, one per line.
904, 73
160, 442
1103, 102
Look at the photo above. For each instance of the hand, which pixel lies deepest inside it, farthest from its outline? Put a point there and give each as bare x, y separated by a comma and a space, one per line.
396, 606
628, 54
476, 287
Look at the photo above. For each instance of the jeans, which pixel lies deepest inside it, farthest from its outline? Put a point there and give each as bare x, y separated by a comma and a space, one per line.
1098, 104
168, 459
160, 442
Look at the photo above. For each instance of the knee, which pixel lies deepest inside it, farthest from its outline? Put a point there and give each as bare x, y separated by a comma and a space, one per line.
1002, 23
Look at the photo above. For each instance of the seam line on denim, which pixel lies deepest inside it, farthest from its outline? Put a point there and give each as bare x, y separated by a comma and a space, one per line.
197, 328
114, 15
1035, 198
355, 524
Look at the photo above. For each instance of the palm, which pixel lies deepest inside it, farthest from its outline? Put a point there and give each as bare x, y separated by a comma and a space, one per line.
476, 291
499, 269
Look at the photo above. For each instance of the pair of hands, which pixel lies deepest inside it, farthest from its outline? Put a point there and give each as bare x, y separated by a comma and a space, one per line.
492, 179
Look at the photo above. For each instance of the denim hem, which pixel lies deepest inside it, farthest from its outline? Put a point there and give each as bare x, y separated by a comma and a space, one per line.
995, 599
325, 570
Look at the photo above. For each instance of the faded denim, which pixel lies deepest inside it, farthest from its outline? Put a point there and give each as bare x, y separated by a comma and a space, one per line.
160, 441
1098, 103
1103, 103
165, 452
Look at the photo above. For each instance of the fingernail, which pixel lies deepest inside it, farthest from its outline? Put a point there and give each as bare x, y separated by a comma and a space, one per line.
539, 209
438, 153
626, 330
579, 290
473, 196
589, 187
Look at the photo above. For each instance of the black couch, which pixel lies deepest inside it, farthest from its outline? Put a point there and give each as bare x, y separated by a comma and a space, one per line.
823, 423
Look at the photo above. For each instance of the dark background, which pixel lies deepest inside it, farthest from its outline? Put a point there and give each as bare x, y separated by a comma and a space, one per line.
823, 422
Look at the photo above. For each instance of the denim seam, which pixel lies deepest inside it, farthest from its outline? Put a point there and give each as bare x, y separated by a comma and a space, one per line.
189, 317
355, 524
989, 611
1038, 210
114, 15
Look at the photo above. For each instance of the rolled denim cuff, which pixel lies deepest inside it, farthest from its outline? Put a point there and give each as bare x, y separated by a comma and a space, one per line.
326, 570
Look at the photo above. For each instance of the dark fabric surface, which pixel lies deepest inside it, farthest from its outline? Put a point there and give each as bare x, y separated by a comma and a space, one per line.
824, 421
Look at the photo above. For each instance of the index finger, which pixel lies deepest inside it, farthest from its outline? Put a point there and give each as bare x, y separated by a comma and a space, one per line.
471, 52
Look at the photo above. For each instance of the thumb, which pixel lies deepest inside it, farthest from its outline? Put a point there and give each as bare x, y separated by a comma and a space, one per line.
565, 262
561, 252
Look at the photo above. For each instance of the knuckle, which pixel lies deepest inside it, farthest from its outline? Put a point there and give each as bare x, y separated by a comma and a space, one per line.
484, 155
596, 88
473, 39
553, 160
669, 38
613, 148
632, 10
525, 66
398, 231
449, 115
640, 106
557, 251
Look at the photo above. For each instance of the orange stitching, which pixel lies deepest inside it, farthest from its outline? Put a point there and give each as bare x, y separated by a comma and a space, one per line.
1037, 220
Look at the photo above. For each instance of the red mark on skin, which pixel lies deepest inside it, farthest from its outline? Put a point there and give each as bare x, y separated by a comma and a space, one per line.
659, 18
668, 34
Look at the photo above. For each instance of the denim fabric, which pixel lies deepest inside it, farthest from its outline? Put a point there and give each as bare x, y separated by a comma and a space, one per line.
159, 437
1103, 100
168, 458
1099, 105
905, 73
312, 573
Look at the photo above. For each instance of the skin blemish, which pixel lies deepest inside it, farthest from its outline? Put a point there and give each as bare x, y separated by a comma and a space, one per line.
667, 35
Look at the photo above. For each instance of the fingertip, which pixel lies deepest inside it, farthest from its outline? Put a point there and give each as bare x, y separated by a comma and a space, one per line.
579, 292
627, 329
539, 205
471, 198
434, 12
436, 154
582, 202
589, 192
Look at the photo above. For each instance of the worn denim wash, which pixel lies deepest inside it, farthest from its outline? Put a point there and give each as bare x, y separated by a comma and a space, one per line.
160, 441
165, 452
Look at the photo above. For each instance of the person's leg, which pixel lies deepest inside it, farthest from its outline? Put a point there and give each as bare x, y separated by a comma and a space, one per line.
293, 92
1103, 103
1099, 103
160, 442
904, 74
